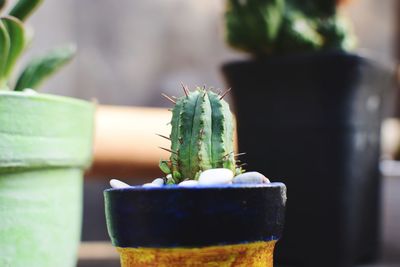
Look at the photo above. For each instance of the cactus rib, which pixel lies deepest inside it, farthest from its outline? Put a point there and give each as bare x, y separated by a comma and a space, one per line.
201, 135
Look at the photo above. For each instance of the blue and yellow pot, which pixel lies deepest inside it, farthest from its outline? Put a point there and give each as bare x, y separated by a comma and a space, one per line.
229, 225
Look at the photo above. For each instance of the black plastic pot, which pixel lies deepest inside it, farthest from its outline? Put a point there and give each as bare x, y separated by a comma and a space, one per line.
313, 121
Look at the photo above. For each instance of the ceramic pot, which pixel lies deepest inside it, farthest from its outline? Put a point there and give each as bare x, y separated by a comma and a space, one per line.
45, 145
320, 114
232, 225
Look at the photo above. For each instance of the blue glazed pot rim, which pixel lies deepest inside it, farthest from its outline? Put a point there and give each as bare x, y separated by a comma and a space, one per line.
197, 187
174, 216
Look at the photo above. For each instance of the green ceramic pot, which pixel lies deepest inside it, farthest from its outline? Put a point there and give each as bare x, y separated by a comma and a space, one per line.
45, 145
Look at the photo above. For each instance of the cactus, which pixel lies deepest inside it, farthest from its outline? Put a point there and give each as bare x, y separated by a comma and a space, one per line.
267, 27
15, 38
201, 135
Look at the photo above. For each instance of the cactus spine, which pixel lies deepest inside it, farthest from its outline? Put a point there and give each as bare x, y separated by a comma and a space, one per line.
201, 135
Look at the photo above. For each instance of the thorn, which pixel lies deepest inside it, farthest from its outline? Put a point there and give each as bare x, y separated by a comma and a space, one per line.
224, 94
163, 136
228, 154
240, 154
167, 97
185, 89
225, 157
169, 150
241, 165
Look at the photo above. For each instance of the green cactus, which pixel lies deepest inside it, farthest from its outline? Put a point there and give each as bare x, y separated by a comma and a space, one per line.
254, 25
268, 27
201, 135
15, 38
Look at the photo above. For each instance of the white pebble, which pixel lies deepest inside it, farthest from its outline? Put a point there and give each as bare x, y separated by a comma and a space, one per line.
158, 181
151, 185
216, 176
188, 183
117, 184
250, 178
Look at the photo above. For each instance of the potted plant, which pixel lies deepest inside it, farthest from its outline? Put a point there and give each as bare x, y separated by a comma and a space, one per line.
45, 145
207, 211
319, 109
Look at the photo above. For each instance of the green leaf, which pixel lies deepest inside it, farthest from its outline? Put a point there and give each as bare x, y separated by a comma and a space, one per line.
176, 175
16, 34
4, 48
164, 167
23, 8
29, 34
41, 68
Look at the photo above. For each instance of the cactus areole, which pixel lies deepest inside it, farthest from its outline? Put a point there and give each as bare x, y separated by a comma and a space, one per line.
201, 136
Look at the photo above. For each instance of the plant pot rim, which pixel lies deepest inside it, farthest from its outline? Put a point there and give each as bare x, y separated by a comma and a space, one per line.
200, 216
44, 96
174, 188
363, 55
39, 131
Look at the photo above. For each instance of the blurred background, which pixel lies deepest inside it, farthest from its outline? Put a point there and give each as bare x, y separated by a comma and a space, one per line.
132, 51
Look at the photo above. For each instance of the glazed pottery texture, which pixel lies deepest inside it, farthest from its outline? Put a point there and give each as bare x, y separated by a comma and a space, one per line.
230, 225
45, 145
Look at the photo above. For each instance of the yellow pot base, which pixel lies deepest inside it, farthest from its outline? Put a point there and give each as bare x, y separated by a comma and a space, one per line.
244, 255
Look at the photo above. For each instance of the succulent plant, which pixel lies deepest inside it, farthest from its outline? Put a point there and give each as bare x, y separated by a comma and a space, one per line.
201, 136
267, 27
15, 38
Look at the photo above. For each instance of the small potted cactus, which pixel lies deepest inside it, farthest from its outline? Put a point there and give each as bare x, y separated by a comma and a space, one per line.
206, 211
45, 145
319, 108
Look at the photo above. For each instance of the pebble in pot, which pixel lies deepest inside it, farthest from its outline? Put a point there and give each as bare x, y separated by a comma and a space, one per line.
216, 176
188, 183
250, 178
156, 183
118, 184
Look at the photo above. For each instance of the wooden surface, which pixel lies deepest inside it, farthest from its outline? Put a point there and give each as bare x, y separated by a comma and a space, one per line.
126, 143
97, 251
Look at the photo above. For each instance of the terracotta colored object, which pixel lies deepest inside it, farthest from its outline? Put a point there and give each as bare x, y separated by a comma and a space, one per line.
45, 145
231, 225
